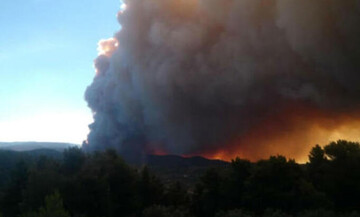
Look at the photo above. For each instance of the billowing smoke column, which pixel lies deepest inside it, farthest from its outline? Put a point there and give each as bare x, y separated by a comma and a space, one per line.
222, 78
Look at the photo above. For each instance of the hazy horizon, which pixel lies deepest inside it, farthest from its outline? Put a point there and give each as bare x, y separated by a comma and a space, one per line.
46, 62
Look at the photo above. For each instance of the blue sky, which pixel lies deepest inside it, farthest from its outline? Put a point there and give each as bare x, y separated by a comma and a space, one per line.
47, 49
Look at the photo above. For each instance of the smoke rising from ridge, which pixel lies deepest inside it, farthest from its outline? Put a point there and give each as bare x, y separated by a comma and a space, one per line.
222, 78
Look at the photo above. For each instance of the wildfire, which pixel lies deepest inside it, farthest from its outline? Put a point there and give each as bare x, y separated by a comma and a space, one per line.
292, 133
223, 79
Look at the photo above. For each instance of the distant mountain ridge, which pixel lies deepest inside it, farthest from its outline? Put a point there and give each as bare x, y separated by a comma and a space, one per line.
29, 146
173, 163
169, 168
153, 160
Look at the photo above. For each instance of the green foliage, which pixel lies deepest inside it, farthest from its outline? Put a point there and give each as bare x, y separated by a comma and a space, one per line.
44, 178
280, 184
102, 184
150, 188
53, 207
176, 195
232, 213
235, 186
73, 160
352, 214
163, 211
156, 211
318, 213
343, 150
275, 213
208, 194
337, 177
317, 156
106, 185
13, 194
318, 167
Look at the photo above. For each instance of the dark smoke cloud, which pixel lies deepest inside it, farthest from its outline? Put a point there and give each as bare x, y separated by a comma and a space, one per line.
190, 76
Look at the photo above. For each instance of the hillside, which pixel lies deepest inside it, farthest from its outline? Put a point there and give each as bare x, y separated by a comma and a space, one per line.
28, 146
169, 168
187, 170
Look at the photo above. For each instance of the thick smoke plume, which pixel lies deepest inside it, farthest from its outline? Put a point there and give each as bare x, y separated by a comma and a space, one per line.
222, 78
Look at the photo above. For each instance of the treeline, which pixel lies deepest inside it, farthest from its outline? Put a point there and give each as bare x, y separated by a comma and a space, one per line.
103, 185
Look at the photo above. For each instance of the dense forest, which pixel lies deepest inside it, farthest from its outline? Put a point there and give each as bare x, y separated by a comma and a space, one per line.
101, 184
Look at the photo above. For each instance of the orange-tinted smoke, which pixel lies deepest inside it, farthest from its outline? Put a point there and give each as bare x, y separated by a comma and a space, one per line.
292, 133
197, 68
107, 46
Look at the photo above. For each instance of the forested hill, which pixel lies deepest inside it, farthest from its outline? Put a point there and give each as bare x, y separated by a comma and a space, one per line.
9, 156
187, 170
168, 167
178, 161
9, 159
44, 183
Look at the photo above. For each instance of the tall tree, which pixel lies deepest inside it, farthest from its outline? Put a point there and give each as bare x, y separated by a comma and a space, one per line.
343, 174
